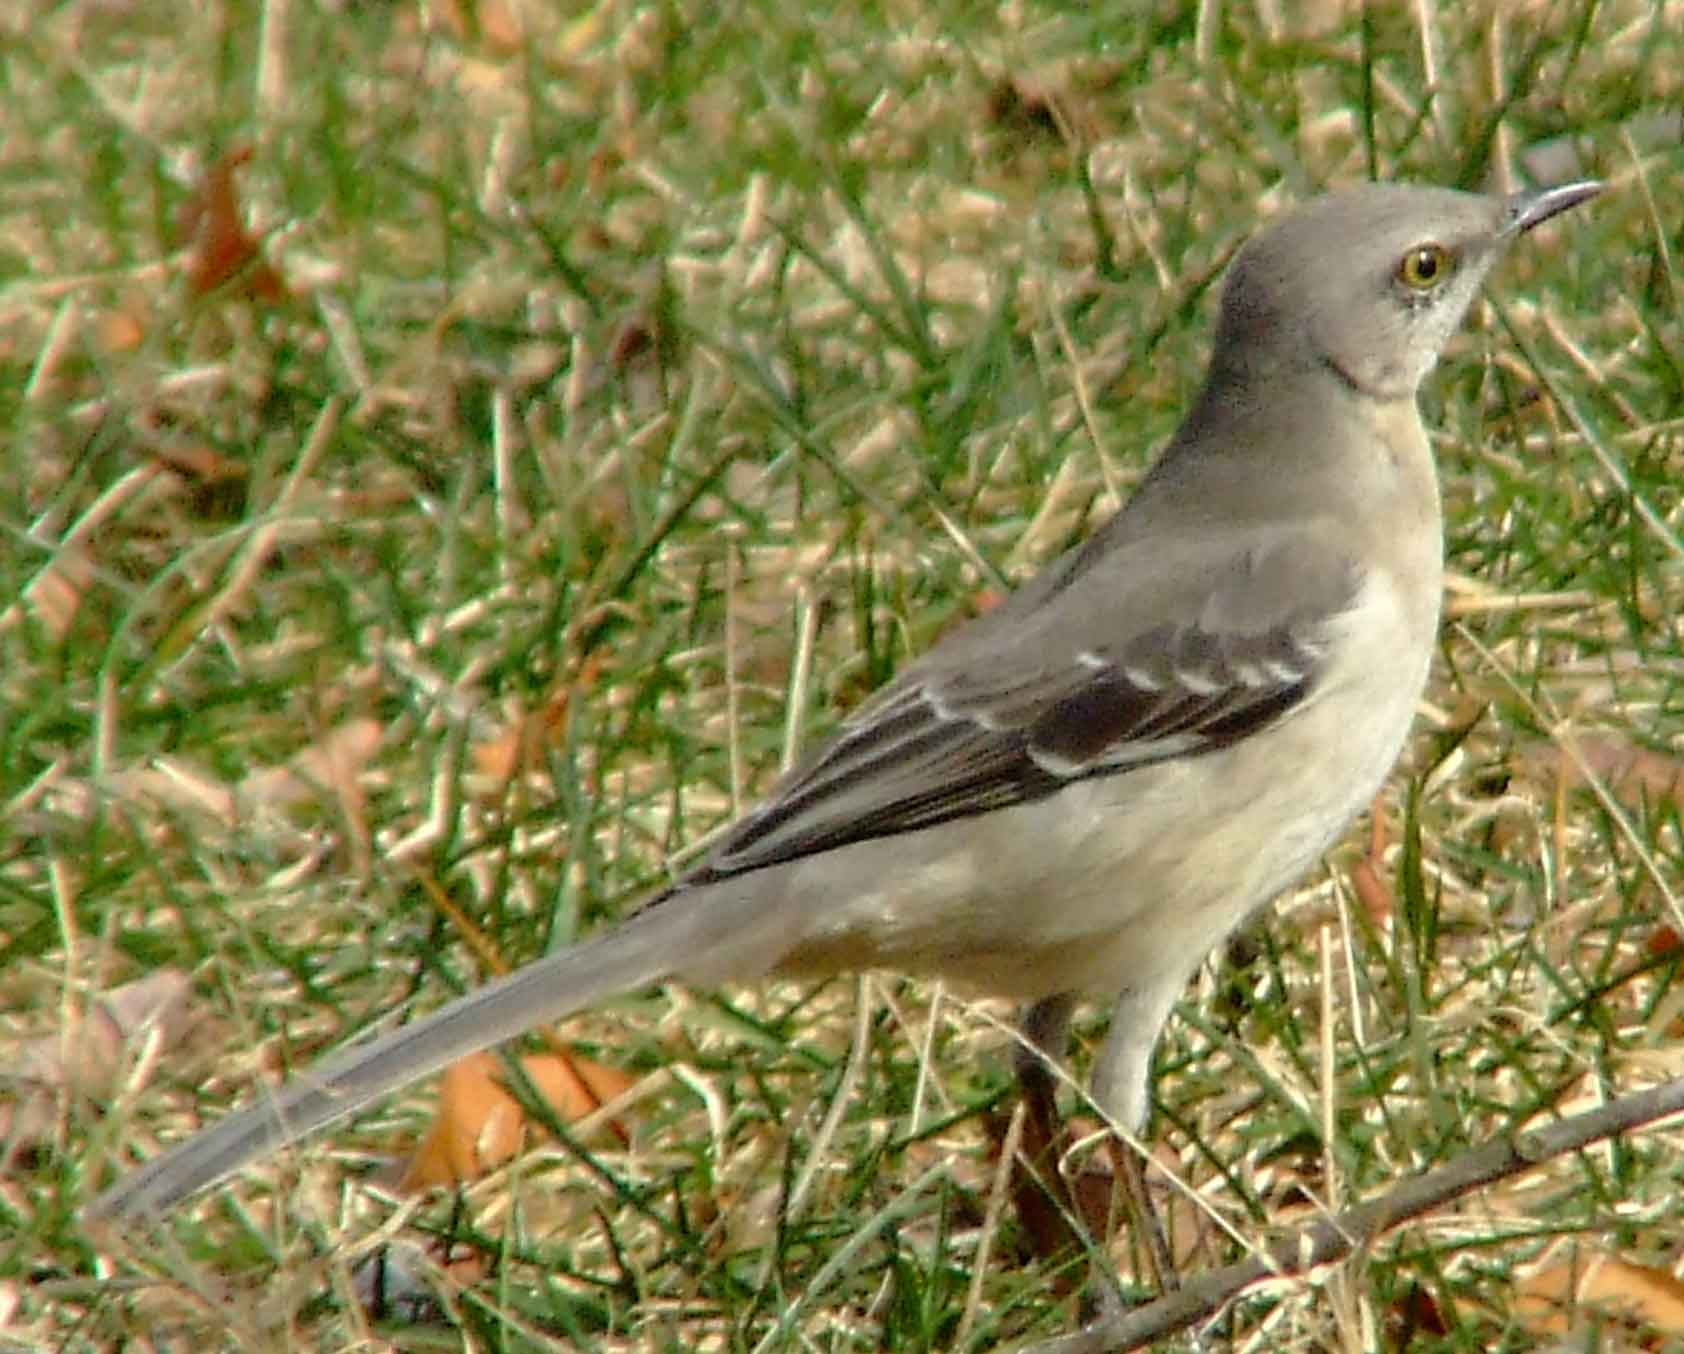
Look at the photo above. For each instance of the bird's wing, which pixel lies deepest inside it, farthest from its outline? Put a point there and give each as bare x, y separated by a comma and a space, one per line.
1114, 660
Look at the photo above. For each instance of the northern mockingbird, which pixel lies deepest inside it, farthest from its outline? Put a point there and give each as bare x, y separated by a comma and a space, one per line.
1085, 790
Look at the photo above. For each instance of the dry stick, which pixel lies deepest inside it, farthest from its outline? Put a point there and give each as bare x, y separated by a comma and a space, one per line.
1335, 1238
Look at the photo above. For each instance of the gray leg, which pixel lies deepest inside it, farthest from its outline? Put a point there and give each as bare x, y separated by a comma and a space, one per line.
1055, 1218
1122, 1074
1122, 1088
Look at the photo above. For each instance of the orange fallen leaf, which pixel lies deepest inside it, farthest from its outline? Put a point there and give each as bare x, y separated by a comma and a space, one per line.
519, 748
120, 331
480, 1123
220, 245
1649, 1297
1372, 891
500, 26
494, 23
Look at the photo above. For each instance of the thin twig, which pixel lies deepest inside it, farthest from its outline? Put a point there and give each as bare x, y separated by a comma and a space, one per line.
1334, 1238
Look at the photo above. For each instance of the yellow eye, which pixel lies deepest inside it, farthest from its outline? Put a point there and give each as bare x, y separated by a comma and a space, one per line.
1425, 267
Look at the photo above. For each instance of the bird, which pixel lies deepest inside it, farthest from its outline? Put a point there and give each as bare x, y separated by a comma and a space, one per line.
1083, 791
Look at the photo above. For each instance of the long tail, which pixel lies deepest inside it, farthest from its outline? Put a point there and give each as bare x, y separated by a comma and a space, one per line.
674, 938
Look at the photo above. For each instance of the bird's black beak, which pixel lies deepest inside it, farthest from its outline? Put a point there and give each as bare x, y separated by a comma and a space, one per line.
1525, 210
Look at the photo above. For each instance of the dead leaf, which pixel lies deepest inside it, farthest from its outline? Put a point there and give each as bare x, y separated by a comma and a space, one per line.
1662, 940
500, 27
86, 1060
335, 762
1376, 899
55, 594
480, 1124
215, 484
578, 37
1372, 892
177, 783
1025, 107
501, 756
1646, 1296
494, 23
1629, 768
1416, 1313
519, 748
220, 247
120, 331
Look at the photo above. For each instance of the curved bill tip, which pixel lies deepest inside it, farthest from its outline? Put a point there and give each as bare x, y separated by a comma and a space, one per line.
1525, 210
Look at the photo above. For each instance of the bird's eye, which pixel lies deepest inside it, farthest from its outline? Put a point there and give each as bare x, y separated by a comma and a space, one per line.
1425, 267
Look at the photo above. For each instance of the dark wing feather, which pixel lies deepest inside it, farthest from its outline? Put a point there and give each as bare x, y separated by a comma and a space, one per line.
1017, 710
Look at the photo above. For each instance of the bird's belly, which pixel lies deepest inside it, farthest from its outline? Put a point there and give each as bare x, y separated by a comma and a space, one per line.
1111, 880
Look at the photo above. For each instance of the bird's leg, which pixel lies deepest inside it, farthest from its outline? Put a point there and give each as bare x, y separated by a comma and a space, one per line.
1059, 1214
1044, 1204
1122, 1088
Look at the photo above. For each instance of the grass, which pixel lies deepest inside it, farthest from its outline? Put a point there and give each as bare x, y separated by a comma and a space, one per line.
651, 382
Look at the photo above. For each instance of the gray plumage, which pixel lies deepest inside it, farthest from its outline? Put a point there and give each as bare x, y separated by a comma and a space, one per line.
1085, 790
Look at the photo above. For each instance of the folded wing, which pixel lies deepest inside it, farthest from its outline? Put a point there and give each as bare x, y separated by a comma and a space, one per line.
1138, 658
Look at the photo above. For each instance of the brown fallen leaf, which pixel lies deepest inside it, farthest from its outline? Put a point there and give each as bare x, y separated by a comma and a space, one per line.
495, 24
55, 594
335, 761
220, 246
215, 485
87, 1059
480, 1124
1417, 1312
1662, 940
1025, 107
1372, 891
120, 330
1648, 1297
1626, 767
1630, 768
519, 748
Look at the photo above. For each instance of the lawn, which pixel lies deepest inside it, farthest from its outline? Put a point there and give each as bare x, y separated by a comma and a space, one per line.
455, 454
